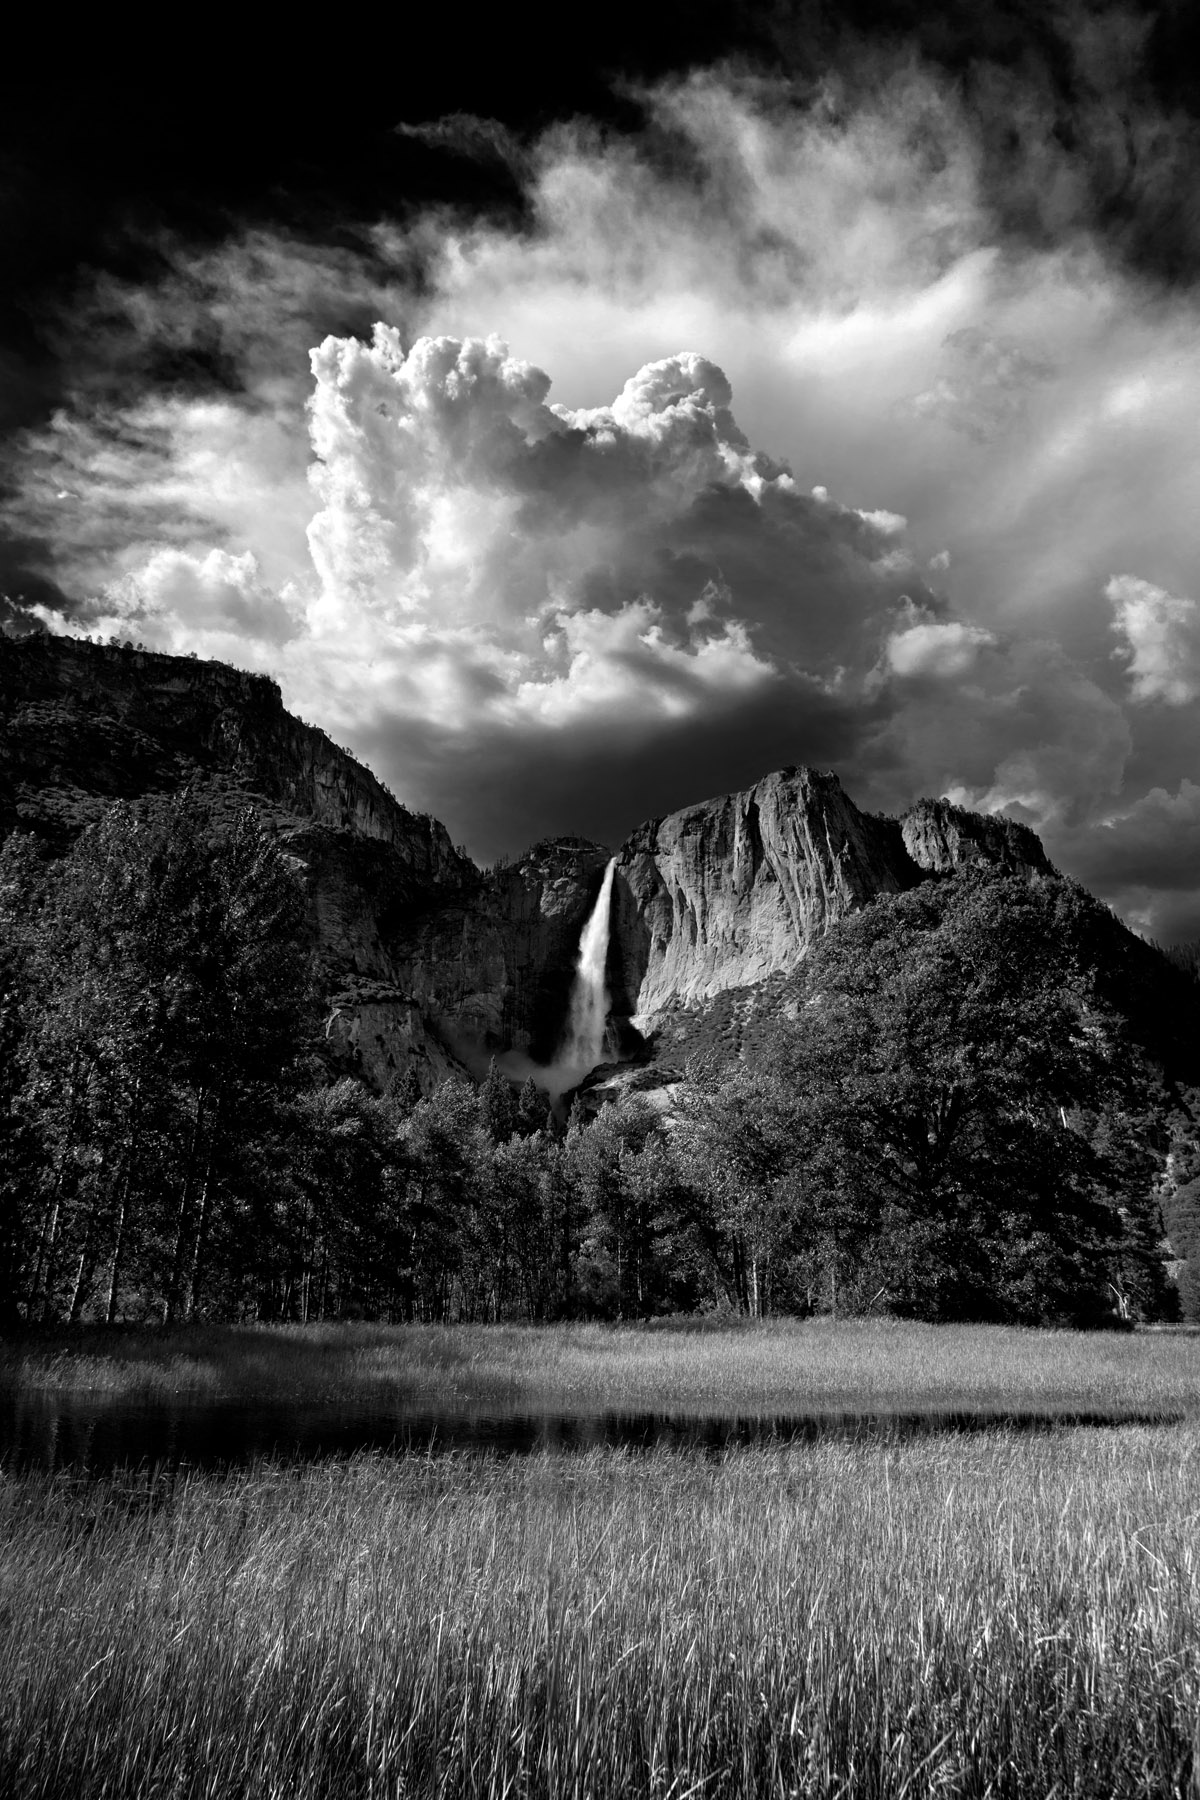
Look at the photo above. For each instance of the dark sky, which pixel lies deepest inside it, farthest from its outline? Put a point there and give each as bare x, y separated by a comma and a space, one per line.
905, 484
110, 136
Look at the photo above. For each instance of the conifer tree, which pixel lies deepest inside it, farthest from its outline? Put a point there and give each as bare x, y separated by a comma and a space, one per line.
163, 997
957, 1068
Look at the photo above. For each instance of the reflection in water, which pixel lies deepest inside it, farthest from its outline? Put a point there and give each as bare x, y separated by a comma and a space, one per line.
52, 1431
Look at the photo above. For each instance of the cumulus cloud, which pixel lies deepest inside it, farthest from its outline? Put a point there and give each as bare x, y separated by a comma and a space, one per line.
836, 466
1161, 640
497, 574
216, 603
940, 648
1030, 408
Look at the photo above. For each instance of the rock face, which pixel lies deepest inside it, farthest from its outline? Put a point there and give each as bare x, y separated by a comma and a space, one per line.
84, 724
941, 838
655, 1083
491, 970
728, 892
428, 961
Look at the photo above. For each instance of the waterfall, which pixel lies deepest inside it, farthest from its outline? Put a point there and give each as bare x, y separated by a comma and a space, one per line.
583, 1040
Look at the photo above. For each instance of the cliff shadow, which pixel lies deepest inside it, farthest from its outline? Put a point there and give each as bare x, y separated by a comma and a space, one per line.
552, 972
628, 960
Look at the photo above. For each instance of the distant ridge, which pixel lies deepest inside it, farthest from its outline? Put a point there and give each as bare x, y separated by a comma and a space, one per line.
430, 962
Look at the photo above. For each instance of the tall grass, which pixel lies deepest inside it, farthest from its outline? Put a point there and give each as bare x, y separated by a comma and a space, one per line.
779, 1366
993, 1615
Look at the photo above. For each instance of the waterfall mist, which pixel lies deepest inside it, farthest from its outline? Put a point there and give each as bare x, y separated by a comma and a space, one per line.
582, 1045
583, 1040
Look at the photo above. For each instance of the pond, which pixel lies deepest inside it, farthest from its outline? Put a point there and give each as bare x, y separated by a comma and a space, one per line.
51, 1431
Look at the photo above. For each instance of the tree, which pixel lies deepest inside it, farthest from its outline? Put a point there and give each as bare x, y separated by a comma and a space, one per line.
736, 1145
341, 1244
497, 1107
19, 1160
533, 1109
624, 1193
530, 1206
445, 1155
241, 986
1181, 1214
164, 995
960, 1076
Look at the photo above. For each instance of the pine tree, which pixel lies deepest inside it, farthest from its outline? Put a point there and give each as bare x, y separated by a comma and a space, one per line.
163, 998
956, 1067
497, 1109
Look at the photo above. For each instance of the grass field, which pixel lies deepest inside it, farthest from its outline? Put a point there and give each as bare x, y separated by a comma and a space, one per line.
992, 1615
988, 1614
779, 1366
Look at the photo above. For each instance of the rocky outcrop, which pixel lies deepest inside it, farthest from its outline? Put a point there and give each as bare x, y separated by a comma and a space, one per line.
940, 838
83, 724
427, 959
429, 962
492, 970
654, 1083
731, 891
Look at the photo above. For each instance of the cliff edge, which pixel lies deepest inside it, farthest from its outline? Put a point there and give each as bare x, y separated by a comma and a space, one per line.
429, 962
733, 891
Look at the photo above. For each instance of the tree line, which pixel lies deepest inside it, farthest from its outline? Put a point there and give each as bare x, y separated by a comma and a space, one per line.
952, 1118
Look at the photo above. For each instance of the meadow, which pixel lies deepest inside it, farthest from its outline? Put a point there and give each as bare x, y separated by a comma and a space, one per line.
774, 1367
993, 1615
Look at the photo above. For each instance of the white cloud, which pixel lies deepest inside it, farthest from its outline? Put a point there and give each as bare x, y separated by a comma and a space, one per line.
941, 648
216, 604
623, 669
1162, 640
1029, 410
889, 523
462, 533
103, 484
479, 566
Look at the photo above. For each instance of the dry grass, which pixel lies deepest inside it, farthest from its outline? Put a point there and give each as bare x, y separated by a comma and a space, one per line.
781, 1366
978, 1616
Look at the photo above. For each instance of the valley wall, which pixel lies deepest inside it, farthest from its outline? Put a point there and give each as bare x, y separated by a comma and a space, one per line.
733, 891
429, 962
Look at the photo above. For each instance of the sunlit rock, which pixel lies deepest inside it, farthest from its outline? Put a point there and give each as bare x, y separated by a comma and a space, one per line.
432, 965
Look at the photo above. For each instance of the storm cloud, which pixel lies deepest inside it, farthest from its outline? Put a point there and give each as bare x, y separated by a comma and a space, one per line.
763, 436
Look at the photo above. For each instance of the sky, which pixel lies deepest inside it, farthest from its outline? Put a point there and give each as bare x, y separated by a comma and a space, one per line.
577, 432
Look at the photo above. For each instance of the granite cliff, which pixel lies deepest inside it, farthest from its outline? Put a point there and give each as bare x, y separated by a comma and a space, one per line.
725, 893
728, 893
428, 961
940, 838
83, 724
426, 958
486, 970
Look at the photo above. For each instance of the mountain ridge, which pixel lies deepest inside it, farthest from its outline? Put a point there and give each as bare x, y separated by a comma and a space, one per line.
429, 961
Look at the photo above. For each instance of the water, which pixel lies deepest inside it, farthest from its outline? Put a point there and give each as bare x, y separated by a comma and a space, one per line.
95, 1434
583, 1040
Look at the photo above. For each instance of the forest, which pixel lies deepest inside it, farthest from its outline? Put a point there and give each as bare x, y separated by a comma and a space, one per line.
969, 1105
